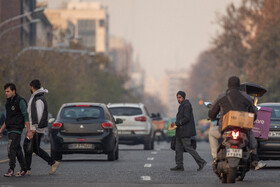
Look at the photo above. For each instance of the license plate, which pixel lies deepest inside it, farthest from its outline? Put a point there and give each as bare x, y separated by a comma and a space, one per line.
124, 132
158, 133
80, 146
274, 134
234, 153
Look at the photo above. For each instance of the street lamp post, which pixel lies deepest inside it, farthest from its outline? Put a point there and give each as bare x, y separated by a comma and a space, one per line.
21, 16
19, 26
73, 51
35, 48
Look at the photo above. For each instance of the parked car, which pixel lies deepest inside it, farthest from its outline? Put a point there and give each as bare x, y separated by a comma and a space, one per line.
270, 149
3, 118
137, 127
84, 128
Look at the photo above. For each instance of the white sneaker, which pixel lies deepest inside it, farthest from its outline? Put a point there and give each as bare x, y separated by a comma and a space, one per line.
54, 167
260, 165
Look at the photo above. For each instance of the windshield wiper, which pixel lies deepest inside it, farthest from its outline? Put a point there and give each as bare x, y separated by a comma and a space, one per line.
85, 118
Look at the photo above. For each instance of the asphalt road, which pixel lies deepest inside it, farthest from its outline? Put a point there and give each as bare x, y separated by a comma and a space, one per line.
135, 167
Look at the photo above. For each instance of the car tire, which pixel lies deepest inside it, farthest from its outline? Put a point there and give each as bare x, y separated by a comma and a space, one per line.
153, 143
148, 144
117, 153
56, 155
112, 155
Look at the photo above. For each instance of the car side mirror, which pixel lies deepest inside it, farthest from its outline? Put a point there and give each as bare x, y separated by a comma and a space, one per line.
118, 121
51, 120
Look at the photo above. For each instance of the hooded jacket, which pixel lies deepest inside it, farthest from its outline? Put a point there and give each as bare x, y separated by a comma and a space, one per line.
38, 110
185, 121
239, 102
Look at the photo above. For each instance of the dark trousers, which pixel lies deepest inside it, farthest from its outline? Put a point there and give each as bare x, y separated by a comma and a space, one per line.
15, 151
185, 144
33, 146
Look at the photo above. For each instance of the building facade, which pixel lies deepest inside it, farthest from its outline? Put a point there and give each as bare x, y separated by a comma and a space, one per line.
121, 56
17, 31
44, 30
84, 22
172, 82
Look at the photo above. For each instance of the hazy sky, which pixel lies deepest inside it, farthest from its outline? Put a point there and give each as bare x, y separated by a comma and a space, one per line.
165, 34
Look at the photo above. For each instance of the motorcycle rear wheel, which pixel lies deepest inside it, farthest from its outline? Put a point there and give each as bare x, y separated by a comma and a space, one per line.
224, 178
231, 176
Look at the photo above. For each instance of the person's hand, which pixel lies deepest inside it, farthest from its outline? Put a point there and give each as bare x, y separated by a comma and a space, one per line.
29, 135
0, 134
173, 124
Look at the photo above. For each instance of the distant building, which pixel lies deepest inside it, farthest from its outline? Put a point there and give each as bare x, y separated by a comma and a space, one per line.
137, 81
44, 30
83, 22
172, 82
20, 31
121, 55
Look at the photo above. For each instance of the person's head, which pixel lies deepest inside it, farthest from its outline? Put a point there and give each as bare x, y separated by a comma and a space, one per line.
180, 96
10, 90
233, 82
35, 85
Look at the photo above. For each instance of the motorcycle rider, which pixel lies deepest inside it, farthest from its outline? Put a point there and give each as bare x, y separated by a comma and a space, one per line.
223, 104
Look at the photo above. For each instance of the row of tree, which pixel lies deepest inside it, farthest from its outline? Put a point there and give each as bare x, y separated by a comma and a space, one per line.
68, 77
248, 46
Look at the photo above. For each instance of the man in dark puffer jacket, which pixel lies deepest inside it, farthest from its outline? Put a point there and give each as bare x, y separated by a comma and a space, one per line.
16, 120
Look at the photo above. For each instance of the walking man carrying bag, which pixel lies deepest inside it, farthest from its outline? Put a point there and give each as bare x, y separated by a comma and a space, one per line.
184, 131
38, 115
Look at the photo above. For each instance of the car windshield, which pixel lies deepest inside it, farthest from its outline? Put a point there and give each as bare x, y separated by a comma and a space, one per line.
126, 111
275, 114
79, 113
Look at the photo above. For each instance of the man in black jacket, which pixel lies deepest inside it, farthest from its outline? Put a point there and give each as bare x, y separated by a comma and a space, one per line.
184, 131
16, 120
233, 99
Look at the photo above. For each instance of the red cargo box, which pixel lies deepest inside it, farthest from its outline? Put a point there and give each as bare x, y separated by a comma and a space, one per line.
262, 123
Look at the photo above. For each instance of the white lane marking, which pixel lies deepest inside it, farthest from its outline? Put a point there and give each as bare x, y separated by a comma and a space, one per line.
147, 165
150, 158
146, 178
154, 152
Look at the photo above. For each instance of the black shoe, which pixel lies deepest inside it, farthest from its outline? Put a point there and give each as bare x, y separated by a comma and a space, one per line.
177, 168
202, 166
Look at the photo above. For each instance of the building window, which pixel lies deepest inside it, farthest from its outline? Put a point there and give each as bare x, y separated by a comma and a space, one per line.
102, 23
87, 31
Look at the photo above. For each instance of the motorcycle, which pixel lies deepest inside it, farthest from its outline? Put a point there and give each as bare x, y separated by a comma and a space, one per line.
234, 154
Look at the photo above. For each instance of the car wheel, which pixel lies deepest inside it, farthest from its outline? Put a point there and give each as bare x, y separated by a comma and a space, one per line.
153, 143
112, 155
56, 155
117, 153
148, 144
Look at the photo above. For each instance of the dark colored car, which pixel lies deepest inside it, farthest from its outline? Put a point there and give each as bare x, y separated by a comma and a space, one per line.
3, 118
84, 128
270, 149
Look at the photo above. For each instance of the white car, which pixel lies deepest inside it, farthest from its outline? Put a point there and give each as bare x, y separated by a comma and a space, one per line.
137, 127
